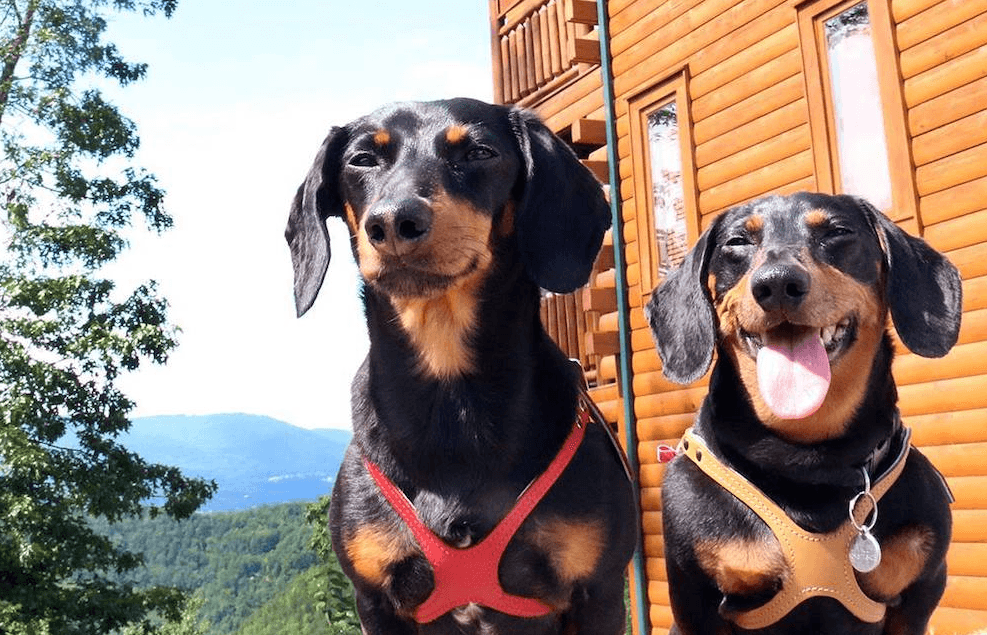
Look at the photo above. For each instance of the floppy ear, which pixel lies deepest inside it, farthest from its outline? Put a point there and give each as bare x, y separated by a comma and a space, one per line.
317, 198
681, 315
923, 289
562, 214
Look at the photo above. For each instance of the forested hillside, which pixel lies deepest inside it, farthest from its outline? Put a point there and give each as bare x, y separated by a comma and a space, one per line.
255, 567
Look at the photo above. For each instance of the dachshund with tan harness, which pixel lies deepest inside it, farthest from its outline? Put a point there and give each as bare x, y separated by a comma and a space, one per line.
797, 504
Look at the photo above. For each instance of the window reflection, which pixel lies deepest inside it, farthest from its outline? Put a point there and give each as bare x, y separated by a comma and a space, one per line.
853, 84
667, 192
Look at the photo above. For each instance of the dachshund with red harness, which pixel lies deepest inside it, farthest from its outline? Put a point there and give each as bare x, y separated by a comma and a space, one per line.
480, 494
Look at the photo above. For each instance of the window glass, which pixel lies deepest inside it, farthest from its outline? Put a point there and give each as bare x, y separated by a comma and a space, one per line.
667, 192
853, 84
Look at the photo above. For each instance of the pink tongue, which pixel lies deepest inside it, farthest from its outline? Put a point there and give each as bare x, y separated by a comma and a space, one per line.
793, 374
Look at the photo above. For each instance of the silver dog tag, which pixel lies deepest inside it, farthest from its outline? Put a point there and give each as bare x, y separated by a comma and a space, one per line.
865, 552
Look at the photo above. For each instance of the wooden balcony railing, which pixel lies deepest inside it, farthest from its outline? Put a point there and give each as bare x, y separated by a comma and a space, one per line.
539, 45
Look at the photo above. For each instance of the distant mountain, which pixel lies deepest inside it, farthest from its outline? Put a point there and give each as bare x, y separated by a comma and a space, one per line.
255, 460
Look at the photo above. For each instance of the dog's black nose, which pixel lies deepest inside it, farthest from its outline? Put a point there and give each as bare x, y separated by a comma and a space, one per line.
780, 285
393, 227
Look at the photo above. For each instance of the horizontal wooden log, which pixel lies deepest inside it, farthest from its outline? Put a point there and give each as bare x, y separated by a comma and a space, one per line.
601, 394
769, 74
966, 34
752, 108
666, 427
902, 10
938, 19
952, 170
607, 368
951, 106
947, 428
651, 474
765, 152
663, 46
962, 361
965, 592
654, 383
971, 261
970, 525
613, 411
967, 459
651, 502
970, 491
646, 361
955, 202
949, 621
677, 402
655, 568
765, 50
757, 182
962, 393
661, 615
959, 232
950, 139
609, 322
967, 559
651, 522
658, 592
946, 77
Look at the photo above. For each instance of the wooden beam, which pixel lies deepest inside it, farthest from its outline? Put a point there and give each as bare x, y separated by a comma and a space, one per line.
581, 11
589, 132
585, 50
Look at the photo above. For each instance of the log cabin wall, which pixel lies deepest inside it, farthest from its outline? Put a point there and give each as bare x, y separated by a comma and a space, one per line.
721, 101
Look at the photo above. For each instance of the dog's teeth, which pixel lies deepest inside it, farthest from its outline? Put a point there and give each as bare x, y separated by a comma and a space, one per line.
827, 334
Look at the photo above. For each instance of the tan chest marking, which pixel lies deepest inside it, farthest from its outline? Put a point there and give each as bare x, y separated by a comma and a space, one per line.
743, 567
373, 549
574, 547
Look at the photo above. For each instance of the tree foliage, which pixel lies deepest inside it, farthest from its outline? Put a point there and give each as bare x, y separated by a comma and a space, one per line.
334, 594
70, 193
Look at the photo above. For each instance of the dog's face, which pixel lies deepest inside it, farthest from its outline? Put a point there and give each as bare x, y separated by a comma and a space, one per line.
795, 291
434, 195
424, 193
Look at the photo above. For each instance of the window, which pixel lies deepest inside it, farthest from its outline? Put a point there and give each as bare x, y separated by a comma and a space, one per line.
667, 195
664, 178
856, 110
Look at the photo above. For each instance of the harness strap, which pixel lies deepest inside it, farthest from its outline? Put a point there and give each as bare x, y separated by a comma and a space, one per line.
470, 575
818, 563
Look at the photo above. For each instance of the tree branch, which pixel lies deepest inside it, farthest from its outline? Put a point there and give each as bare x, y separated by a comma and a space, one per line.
15, 50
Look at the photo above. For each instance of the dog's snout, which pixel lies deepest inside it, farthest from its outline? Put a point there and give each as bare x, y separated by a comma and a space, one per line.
780, 286
394, 227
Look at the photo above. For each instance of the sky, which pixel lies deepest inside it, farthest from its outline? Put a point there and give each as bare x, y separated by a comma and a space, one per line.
237, 99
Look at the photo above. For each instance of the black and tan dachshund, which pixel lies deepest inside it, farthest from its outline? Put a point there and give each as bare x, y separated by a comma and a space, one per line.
800, 429
458, 212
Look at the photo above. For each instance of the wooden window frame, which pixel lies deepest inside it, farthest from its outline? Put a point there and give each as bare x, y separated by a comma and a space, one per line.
812, 15
673, 88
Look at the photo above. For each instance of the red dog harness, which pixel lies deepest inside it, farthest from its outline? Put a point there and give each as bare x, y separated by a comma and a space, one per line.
465, 576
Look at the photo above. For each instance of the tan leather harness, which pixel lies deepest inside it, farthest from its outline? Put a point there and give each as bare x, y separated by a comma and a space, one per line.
818, 564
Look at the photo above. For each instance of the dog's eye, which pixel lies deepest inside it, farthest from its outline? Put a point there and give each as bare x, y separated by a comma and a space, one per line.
835, 232
479, 153
738, 241
363, 160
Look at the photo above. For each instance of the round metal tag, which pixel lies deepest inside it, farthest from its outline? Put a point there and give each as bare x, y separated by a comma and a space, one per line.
865, 552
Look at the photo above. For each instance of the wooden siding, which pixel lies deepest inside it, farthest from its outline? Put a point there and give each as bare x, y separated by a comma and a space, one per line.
753, 117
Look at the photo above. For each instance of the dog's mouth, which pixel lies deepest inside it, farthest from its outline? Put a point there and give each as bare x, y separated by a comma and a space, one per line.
794, 361
404, 278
